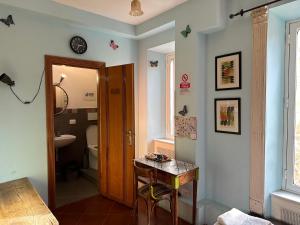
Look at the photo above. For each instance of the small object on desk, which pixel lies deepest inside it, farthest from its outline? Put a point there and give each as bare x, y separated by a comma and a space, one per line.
158, 157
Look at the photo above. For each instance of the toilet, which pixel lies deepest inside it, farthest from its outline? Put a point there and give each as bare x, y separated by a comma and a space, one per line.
92, 145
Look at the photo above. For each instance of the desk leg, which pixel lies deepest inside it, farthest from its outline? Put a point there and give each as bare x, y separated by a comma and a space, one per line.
195, 187
175, 206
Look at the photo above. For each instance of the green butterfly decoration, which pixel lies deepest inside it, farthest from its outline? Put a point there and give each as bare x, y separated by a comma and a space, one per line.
185, 33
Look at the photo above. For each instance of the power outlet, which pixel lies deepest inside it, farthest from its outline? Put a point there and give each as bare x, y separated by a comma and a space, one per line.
72, 122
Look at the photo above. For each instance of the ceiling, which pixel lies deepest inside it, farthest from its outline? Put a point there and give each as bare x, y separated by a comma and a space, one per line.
119, 9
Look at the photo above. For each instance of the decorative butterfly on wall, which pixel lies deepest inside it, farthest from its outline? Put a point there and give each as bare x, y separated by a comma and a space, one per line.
184, 111
185, 33
154, 63
113, 45
8, 21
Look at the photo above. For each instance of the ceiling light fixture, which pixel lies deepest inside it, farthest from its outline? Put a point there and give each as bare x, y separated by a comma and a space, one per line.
136, 8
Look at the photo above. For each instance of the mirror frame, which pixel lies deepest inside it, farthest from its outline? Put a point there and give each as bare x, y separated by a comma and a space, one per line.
66, 107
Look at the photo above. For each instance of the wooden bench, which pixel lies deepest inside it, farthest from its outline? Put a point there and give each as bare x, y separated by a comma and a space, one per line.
20, 204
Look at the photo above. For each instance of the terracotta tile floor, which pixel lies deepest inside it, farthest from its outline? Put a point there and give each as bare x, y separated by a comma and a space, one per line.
101, 211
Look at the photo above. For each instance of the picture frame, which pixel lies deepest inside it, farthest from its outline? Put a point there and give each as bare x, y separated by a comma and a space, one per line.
228, 115
228, 71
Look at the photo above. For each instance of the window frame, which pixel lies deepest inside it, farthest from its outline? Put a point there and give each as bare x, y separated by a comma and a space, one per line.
292, 29
169, 58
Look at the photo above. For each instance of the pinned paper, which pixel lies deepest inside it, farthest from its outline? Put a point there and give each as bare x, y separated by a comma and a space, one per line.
186, 127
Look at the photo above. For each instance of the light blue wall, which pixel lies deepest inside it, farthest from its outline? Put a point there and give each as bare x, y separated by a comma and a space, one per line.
228, 156
287, 12
142, 121
278, 17
23, 150
274, 132
223, 159
156, 88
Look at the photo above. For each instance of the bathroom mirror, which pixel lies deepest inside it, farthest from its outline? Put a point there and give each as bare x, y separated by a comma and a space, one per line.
61, 100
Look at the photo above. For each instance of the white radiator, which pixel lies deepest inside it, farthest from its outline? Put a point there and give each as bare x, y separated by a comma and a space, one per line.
166, 147
286, 207
290, 216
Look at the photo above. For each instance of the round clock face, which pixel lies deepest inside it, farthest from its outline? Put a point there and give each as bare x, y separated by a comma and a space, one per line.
78, 45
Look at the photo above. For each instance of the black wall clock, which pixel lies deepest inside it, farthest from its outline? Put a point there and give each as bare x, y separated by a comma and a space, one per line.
78, 45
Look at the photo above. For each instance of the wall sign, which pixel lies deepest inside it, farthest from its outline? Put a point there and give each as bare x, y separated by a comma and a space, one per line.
89, 96
185, 84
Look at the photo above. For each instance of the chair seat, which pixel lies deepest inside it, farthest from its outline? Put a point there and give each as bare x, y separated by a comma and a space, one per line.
159, 190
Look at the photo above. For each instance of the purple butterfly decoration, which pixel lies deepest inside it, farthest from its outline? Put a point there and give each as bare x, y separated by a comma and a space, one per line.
113, 45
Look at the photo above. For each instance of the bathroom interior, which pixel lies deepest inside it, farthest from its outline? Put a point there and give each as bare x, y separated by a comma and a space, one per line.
76, 133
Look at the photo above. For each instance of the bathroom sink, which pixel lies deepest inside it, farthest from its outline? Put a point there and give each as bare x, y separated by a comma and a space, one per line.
64, 140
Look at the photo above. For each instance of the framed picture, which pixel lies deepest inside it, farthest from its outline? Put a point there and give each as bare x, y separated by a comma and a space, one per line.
228, 115
228, 71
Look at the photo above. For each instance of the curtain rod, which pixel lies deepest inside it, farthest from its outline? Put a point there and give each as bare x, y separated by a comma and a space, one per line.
242, 12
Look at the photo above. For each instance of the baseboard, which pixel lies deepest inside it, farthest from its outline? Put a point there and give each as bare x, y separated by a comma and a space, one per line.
207, 210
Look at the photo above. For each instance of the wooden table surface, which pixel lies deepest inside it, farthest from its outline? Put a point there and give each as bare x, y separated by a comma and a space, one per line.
20, 204
173, 167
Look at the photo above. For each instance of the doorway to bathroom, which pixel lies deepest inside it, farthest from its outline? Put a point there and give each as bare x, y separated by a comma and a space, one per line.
76, 133
90, 128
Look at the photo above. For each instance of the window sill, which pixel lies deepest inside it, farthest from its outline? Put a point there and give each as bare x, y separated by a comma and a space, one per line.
285, 195
167, 141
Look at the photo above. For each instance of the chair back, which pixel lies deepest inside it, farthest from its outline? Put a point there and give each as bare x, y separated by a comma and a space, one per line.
143, 172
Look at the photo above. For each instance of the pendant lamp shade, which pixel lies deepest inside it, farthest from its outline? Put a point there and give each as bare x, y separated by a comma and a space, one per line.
136, 8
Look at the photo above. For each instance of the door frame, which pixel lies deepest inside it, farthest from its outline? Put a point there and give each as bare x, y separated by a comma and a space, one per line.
49, 62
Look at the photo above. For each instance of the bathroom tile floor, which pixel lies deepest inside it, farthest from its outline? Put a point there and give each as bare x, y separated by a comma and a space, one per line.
98, 210
75, 190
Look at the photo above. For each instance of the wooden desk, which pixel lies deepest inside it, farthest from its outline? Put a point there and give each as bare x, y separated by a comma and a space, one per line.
175, 173
20, 204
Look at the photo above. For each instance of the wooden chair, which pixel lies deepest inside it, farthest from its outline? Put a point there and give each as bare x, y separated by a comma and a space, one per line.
151, 192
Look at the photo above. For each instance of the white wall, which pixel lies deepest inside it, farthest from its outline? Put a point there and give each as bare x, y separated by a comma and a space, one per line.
77, 83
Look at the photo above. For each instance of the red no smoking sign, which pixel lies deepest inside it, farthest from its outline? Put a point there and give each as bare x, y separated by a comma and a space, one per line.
185, 84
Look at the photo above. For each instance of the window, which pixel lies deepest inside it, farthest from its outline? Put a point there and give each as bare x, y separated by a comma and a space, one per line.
293, 111
170, 96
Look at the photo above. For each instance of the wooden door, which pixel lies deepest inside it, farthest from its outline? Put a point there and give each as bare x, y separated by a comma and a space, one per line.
117, 133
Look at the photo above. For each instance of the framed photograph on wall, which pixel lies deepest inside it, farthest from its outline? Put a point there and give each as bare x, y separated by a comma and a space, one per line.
228, 74
228, 115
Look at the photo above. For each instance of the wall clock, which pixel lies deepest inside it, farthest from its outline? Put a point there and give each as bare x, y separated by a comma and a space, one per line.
78, 45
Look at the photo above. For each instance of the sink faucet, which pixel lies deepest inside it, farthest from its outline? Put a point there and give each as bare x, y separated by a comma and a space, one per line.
57, 134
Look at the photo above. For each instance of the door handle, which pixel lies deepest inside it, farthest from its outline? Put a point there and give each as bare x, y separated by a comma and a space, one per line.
130, 137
